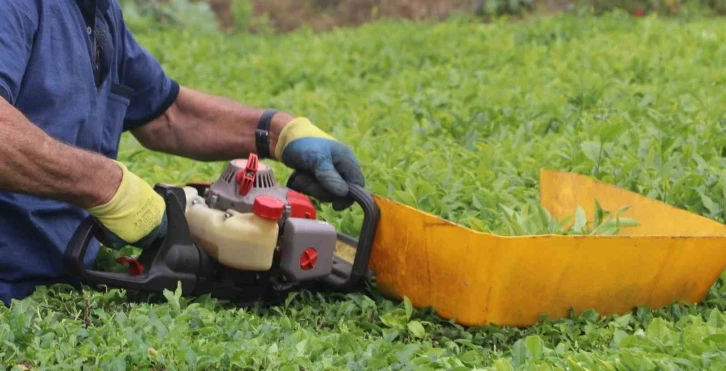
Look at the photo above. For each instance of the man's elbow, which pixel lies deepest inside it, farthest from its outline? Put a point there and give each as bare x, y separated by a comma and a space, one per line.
157, 135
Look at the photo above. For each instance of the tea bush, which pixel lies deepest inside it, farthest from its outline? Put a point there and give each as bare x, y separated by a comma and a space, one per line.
662, 7
455, 119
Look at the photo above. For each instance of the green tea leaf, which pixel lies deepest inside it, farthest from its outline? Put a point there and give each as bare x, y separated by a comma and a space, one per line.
535, 346
408, 306
503, 364
715, 318
580, 220
712, 207
658, 330
591, 150
416, 329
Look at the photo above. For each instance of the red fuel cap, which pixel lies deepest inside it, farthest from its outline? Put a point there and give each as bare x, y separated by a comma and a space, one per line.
268, 207
308, 259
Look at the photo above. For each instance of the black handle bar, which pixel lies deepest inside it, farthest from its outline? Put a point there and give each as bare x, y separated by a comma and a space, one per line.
168, 261
347, 277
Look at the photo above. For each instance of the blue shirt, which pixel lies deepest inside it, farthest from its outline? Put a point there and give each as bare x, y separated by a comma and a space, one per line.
80, 94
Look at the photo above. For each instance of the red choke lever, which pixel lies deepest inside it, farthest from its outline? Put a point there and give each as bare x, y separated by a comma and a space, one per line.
246, 178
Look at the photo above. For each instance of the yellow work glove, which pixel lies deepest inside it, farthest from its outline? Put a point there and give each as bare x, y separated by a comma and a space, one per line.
135, 215
323, 166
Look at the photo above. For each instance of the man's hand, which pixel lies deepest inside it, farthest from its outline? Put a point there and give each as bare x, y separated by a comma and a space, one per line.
210, 128
323, 166
135, 215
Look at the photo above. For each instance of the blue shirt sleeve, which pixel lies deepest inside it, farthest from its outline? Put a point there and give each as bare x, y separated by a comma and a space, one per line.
18, 23
154, 90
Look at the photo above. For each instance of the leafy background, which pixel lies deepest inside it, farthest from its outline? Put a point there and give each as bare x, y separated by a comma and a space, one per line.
265, 16
456, 118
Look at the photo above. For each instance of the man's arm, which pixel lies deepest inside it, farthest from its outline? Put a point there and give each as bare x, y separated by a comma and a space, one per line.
168, 118
207, 128
32, 162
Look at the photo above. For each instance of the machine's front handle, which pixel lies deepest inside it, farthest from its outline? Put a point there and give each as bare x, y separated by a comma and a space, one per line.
167, 261
76, 253
342, 278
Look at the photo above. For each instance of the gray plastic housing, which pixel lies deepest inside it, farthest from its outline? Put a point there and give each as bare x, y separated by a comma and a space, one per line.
224, 193
299, 235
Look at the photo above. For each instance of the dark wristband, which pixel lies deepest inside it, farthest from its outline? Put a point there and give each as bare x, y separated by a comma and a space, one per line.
262, 134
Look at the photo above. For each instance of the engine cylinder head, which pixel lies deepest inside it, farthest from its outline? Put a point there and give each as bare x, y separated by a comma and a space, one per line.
226, 189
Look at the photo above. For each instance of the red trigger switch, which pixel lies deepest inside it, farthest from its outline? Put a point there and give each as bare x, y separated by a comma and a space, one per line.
246, 178
135, 268
308, 259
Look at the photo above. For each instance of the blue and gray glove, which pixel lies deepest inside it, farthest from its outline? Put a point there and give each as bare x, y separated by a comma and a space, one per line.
323, 167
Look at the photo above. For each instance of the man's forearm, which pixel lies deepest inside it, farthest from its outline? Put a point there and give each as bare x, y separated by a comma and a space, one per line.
207, 128
32, 162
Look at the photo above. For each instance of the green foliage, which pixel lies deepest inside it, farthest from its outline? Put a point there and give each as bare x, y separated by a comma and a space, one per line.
242, 14
459, 129
535, 219
503, 7
663, 7
163, 14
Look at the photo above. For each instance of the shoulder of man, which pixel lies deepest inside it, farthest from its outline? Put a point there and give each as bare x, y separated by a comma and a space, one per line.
20, 7
19, 17
18, 27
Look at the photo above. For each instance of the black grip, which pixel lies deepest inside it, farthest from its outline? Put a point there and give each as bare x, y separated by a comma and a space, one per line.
168, 261
347, 277
76, 254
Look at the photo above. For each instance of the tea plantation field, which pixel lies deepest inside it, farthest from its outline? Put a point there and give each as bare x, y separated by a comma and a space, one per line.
455, 119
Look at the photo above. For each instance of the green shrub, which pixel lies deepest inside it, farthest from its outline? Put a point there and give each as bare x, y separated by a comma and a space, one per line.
503, 7
242, 13
155, 14
662, 7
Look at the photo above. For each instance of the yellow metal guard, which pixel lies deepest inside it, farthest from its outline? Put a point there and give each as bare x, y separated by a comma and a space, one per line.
480, 278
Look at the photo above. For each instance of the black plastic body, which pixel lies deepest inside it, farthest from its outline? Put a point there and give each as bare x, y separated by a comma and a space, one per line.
177, 258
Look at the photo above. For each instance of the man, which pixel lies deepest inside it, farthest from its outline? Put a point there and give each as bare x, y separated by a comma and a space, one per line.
72, 79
